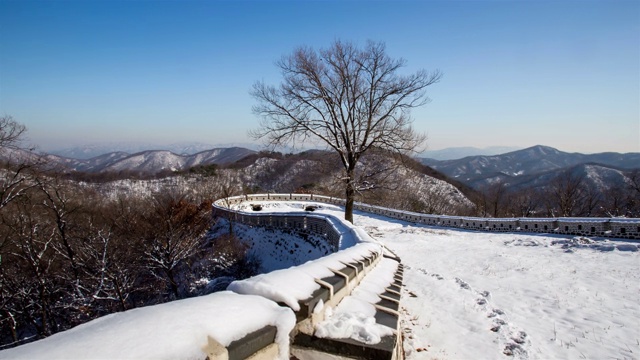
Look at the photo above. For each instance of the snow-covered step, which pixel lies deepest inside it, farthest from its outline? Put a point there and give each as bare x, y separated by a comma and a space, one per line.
365, 324
333, 289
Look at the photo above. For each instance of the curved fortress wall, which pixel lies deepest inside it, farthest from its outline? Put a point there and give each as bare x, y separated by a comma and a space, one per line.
627, 228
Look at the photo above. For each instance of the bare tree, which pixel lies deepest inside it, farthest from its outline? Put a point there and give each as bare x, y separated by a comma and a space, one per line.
28, 274
346, 98
614, 201
15, 177
566, 194
495, 195
523, 203
11, 132
591, 200
633, 193
172, 229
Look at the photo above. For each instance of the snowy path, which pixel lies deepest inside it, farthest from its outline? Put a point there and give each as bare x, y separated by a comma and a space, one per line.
474, 295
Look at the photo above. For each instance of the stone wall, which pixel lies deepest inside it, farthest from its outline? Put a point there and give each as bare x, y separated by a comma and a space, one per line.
300, 222
626, 228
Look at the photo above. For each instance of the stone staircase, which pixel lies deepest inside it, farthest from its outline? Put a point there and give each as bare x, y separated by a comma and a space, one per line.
387, 314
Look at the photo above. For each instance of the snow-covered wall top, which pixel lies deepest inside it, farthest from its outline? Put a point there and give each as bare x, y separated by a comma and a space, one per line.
292, 285
174, 330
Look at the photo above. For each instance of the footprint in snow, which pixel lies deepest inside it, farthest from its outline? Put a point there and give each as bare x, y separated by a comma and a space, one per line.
513, 350
497, 324
495, 312
463, 284
425, 272
520, 337
514, 342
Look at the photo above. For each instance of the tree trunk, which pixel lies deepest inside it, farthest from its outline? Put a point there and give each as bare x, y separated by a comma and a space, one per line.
12, 326
350, 196
123, 306
44, 325
172, 283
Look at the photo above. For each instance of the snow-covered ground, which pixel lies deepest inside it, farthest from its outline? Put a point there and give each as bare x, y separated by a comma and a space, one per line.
476, 295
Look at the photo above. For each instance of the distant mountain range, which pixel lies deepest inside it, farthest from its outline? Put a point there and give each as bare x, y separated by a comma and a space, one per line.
435, 186
533, 166
460, 152
150, 161
86, 152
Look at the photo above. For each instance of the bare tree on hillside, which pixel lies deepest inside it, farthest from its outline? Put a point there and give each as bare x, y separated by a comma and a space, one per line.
349, 99
14, 177
495, 196
28, 271
172, 229
11, 132
566, 194
523, 203
634, 193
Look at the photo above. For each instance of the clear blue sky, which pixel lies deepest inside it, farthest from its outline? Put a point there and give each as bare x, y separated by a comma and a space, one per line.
516, 73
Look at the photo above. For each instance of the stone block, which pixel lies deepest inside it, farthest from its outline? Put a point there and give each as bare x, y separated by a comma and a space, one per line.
252, 343
307, 306
384, 350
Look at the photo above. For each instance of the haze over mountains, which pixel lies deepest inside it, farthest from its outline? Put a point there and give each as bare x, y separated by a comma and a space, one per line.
189, 148
531, 168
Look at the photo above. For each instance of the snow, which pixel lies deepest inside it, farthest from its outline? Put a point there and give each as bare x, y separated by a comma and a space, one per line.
474, 295
352, 324
298, 283
354, 317
377, 283
350, 234
175, 330
277, 249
